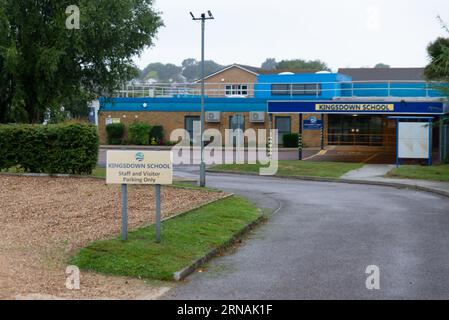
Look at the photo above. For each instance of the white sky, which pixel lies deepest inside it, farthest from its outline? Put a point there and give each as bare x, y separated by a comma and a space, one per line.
343, 33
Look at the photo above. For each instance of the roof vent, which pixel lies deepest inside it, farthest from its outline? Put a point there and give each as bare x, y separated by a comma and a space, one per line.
286, 73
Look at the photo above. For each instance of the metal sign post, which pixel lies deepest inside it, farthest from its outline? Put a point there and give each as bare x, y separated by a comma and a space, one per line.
158, 213
124, 212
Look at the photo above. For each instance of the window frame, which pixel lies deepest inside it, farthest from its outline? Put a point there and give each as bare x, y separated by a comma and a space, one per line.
236, 89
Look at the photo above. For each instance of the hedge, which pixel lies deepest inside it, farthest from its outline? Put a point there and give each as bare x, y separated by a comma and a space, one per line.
115, 132
139, 133
290, 140
70, 148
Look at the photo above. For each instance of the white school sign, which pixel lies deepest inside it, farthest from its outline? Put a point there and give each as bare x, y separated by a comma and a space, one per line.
139, 167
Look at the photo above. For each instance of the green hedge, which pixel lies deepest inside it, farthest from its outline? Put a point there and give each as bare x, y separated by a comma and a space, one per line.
115, 132
290, 140
139, 134
70, 148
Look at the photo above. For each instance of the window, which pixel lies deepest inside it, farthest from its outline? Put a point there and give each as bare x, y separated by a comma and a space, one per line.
236, 90
236, 122
189, 124
303, 89
280, 89
283, 125
306, 89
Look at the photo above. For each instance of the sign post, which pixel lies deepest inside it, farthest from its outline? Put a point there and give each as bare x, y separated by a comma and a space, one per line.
141, 168
124, 212
158, 213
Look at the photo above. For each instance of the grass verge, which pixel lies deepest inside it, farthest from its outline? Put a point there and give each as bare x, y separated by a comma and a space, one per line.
296, 168
435, 173
185, 239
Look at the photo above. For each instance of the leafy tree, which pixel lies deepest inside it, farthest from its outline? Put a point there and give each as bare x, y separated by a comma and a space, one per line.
309, 65
45, 66
382, 66
269, 64
438, 68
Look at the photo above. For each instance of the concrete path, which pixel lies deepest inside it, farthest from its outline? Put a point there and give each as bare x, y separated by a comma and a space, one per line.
377, 172
323, 237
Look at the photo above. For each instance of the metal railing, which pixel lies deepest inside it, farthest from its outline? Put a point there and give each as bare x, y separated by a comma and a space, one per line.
353, 89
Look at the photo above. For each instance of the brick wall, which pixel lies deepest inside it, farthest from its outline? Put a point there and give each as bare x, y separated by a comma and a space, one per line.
176, 120
216, 85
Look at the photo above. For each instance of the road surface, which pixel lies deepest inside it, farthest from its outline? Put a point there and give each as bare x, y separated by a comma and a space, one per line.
323, 237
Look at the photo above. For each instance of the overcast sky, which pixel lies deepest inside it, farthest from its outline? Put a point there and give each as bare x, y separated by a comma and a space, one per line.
343, 33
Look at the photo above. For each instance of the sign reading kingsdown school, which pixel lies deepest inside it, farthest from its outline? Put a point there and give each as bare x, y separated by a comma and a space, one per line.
139, 167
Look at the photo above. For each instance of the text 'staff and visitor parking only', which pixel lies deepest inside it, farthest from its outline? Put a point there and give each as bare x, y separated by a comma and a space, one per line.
139, 167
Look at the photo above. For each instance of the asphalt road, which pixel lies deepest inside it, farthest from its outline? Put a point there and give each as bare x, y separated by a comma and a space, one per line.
323, 237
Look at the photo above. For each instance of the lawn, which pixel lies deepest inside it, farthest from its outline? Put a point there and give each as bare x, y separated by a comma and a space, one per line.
296, 168
436, 172
185, 239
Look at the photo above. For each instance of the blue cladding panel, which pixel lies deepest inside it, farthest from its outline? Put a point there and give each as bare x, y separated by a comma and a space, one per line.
329, 85
184, 104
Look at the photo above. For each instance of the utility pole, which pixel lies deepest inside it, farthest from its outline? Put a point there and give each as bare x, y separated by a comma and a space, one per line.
203, 19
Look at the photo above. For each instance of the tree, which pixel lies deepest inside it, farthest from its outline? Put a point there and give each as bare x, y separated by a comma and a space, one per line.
382, 66
269, 64
45, 66
310, 65
438, 68
189, 70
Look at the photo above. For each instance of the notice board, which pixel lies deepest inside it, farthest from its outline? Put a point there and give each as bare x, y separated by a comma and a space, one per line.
414, 140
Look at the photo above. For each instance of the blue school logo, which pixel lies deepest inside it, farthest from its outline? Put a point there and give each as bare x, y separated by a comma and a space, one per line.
139, 156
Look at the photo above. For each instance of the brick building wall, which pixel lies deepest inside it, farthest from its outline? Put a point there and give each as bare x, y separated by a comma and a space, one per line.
216, 84
176, 120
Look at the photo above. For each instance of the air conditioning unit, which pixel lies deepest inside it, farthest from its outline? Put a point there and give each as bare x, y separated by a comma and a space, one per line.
257, 116
213, 116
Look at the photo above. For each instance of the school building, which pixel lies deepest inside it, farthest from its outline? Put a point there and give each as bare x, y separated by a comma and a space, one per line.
353, 107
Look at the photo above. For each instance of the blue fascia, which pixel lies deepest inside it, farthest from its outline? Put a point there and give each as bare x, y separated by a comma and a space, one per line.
176, 104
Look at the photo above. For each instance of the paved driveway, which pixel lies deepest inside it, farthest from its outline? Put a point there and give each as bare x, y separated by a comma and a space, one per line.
320, 242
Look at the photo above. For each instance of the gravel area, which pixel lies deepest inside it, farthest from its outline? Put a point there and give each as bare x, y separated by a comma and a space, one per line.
45, 220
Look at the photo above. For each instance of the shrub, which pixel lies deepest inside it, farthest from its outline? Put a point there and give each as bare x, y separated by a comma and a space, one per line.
290, 140
115, 132
157, 135
139, 133
70, 148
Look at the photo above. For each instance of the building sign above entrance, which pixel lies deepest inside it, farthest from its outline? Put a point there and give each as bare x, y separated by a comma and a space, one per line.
351, 107
354, 107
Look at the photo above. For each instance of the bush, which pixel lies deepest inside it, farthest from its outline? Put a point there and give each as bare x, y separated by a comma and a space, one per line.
115, 132
290, 140
157, 135
70, 148
139, 133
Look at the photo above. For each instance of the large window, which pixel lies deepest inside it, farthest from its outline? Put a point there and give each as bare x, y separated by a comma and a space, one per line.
280, 89
236, 90
284, 126
302, 89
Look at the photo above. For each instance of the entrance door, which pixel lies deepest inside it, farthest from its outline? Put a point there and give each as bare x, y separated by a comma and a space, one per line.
355, 130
